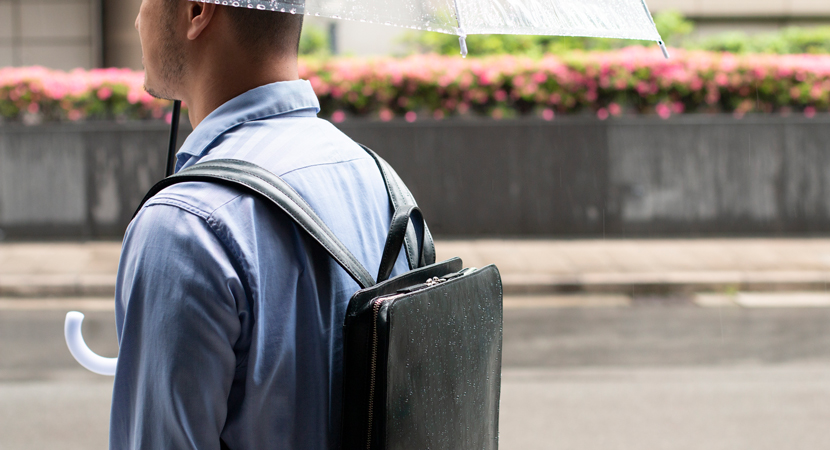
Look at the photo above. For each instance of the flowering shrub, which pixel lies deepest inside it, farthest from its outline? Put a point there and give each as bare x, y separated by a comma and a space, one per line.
36, 94
634, 80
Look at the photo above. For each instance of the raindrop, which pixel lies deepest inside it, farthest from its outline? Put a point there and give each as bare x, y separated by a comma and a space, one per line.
294, 11
225, 3
235, 4
260, 6
282, 9
318, 15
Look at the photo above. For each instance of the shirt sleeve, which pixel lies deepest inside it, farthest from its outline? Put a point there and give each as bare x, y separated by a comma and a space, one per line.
177, 321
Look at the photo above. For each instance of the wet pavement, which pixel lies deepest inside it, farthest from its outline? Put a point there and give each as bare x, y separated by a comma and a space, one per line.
624, 373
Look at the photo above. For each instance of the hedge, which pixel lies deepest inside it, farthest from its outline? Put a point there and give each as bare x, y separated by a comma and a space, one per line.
630, 81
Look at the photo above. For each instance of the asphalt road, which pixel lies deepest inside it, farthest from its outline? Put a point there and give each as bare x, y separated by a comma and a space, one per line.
655, 375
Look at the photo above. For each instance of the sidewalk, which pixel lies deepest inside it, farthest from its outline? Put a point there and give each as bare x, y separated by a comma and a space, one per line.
632, 267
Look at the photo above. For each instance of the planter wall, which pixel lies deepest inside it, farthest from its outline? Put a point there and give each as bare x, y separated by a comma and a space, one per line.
706, 175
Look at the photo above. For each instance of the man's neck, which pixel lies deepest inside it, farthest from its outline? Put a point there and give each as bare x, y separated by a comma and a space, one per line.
216, 81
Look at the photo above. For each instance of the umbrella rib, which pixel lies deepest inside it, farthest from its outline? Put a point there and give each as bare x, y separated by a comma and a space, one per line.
462, 35
660, 42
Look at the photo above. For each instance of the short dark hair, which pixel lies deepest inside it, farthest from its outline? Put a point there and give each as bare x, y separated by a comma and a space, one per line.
262, 31
265, 31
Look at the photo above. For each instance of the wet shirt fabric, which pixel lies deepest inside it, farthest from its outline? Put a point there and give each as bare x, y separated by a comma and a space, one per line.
229, 318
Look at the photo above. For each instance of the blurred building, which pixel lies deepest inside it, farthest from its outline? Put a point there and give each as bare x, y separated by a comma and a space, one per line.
65, 34
55, 33
713, 16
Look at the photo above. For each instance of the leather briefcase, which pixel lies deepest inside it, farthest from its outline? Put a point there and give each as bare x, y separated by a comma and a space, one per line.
422, 350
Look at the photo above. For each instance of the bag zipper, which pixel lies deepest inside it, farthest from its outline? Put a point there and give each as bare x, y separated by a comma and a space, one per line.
374, 358
374, 365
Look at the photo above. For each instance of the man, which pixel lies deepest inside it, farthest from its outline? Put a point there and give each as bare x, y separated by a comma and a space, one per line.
228, 317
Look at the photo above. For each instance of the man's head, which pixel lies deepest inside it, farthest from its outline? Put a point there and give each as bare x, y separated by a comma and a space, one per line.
181, 39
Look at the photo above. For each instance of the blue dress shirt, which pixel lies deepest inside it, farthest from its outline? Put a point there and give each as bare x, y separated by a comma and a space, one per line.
229, 317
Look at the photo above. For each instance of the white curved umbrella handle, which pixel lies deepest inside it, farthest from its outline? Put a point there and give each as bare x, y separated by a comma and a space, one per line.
79, 349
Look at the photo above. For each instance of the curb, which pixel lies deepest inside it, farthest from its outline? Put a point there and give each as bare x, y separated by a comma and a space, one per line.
666, 283
57, 286
24, 286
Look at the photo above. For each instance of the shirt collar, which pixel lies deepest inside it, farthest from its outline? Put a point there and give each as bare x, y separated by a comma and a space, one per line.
295, 98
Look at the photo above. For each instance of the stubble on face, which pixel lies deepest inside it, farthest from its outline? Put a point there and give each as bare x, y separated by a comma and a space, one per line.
170, 62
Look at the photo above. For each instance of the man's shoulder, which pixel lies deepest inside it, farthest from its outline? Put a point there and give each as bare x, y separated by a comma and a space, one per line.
288, 144
299, 152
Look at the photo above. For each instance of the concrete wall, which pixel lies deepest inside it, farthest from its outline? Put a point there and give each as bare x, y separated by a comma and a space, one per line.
73, 181
688, 176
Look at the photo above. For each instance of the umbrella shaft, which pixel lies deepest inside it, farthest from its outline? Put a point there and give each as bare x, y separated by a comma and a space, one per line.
174, 135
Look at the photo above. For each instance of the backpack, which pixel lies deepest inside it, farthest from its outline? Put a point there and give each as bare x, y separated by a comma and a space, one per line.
422, 350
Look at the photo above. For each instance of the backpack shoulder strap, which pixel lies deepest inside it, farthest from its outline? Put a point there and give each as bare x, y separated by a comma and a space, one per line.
401, 199
273, 189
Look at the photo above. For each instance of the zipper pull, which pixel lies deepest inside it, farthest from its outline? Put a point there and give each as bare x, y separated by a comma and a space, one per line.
435, 280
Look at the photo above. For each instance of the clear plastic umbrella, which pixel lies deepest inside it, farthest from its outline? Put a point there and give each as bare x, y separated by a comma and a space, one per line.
625, 19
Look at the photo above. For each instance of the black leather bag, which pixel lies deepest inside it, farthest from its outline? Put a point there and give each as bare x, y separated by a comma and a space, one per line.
422, 350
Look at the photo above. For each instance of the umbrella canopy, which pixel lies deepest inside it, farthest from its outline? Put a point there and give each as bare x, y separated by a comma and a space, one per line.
625, 19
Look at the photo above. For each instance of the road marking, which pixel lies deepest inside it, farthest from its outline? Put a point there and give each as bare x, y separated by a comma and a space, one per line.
783, 299
715, 300
60, 304
566, 301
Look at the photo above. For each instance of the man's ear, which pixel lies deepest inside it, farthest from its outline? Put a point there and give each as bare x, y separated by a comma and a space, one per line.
199, 16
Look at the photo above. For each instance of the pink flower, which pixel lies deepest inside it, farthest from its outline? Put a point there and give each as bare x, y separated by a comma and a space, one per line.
386, 115
548, 114
134, 97
410, 116
795, 93
75, 115
602, 113
816, 92
663, 110
810, 112
104, 93
615, 109
338, 116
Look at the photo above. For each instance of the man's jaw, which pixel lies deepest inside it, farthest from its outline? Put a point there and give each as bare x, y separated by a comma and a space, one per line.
163, 94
